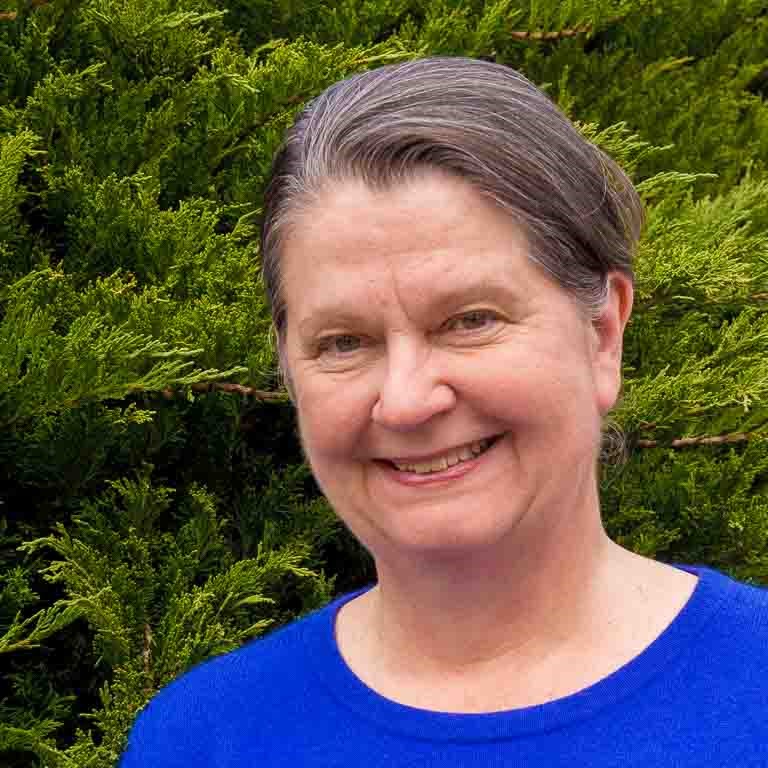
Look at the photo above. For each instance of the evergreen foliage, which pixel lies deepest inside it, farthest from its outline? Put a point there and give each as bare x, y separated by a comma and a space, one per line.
155, 508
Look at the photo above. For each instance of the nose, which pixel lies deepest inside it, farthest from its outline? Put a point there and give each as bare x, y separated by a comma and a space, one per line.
412, 390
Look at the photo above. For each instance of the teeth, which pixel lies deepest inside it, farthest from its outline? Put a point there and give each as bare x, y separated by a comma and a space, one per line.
464, 453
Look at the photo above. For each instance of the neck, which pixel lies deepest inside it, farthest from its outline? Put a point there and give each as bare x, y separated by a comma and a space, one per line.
526, 602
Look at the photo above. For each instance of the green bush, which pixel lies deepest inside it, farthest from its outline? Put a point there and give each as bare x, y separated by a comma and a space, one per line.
155, 508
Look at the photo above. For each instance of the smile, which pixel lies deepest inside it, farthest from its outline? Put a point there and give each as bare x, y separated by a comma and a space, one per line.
450, 459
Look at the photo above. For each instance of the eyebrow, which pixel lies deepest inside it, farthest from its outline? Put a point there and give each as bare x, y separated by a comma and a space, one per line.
339, 314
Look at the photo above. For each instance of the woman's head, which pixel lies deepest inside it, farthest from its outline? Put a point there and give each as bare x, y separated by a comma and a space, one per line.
448, 262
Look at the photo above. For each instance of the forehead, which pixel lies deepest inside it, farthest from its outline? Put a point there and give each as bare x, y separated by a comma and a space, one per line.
421, 213
425, 239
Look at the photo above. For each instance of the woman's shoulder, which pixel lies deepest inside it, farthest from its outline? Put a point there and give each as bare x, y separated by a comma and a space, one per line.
733, 616
237, 690
748, 605
281, 652
734, 595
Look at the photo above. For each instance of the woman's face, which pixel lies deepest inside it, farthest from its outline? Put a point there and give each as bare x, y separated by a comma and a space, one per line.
417, 327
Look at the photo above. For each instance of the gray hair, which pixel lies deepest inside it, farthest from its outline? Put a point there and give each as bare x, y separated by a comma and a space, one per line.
482, 122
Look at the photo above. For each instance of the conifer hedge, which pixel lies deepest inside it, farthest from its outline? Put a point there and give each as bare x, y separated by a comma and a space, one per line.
155, 508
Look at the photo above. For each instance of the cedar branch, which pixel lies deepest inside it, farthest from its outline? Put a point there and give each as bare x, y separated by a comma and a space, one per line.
561, 34
225, 386
12, 15
685, 442
146, 655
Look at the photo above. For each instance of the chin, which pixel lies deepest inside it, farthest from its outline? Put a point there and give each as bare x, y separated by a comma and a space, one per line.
446, 538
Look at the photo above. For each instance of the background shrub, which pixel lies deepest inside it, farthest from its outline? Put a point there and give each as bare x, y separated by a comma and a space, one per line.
155, 508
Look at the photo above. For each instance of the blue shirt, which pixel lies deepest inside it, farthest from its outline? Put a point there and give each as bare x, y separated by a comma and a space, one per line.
697, 696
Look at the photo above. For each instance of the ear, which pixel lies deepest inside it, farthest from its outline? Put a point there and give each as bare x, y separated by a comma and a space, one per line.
607, 336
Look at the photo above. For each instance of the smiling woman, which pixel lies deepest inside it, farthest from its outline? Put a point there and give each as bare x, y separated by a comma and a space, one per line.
416, 385
449, 265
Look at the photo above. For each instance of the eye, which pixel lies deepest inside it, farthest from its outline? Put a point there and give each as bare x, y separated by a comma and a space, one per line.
476, 320
338, 345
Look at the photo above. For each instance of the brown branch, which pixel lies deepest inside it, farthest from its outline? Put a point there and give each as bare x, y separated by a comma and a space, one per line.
561, 34
11, 15
685, 442
238, 389
146, 655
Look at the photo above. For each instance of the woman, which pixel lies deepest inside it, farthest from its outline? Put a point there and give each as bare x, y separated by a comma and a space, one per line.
449, 266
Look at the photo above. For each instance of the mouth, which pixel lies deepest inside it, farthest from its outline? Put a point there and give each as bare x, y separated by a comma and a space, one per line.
462, 455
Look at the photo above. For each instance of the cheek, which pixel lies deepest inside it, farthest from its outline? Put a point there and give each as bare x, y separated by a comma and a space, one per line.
553, 396
330, 421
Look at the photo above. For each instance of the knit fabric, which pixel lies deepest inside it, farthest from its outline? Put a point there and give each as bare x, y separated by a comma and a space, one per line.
697, 696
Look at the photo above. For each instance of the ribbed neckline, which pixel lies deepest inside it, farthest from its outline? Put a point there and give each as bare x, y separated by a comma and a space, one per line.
711, 591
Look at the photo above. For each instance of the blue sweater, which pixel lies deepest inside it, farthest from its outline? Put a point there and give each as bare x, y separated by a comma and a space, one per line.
697, 696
